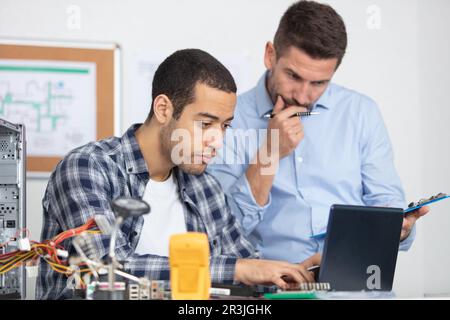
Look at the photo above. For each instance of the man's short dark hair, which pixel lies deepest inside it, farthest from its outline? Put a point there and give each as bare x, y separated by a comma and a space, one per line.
178, 74
315, 28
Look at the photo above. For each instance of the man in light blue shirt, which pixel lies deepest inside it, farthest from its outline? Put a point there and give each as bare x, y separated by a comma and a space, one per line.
282, 174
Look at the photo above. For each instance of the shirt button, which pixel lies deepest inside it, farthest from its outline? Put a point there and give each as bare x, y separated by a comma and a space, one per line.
300, 159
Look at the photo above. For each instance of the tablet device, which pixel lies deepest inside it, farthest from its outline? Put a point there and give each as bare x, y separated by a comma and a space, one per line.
425, 202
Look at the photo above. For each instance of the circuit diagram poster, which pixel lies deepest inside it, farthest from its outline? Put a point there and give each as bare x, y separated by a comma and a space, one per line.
55, 100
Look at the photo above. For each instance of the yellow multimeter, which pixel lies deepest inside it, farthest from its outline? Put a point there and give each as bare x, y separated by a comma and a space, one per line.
189, 266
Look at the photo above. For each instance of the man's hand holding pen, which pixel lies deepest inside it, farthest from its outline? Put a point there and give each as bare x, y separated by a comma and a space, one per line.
284, 133
289, 126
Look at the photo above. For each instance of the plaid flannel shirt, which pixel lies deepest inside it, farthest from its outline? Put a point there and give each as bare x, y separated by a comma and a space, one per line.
88, 178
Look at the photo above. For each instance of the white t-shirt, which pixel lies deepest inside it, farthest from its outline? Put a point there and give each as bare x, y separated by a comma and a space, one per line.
165, 218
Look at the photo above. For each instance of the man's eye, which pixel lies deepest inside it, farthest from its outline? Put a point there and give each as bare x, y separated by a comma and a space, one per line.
227, 125
293, 76
318, 84
205, 124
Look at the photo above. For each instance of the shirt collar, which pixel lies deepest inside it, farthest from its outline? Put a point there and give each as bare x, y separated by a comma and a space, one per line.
134, 160
325, 101
264, 103
181, 179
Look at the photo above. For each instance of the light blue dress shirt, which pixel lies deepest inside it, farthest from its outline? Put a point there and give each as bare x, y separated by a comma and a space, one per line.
345, 158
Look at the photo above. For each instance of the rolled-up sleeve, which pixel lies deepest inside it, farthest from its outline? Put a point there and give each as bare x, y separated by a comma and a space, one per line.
381, 183
250, 212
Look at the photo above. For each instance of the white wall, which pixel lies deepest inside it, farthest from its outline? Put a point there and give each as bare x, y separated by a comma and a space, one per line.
435, 112
384, 64
403, 65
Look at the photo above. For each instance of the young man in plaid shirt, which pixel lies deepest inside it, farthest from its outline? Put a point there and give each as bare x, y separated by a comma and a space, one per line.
192, 92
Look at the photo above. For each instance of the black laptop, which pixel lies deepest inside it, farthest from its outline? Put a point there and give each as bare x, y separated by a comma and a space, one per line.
361, 247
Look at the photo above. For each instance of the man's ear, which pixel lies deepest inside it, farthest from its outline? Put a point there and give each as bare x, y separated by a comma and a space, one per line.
270, 56
162, 109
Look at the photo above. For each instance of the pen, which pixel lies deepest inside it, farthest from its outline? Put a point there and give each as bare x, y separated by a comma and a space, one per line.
297, 114
313, 268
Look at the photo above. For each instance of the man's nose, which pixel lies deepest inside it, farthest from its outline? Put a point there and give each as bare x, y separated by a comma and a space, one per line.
301, 94
214, 139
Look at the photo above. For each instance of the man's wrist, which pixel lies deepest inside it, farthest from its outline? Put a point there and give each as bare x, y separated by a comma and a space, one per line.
238, 270
405, 236
267, 163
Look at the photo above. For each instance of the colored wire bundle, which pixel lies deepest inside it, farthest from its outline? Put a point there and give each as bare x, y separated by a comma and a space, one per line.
49, 250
